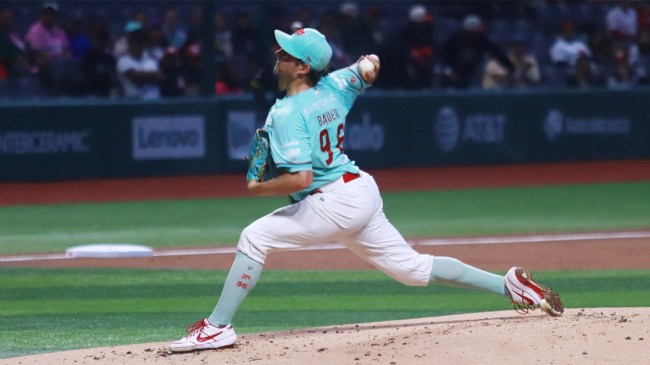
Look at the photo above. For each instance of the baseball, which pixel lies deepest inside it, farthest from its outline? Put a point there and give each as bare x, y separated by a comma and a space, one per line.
365, 66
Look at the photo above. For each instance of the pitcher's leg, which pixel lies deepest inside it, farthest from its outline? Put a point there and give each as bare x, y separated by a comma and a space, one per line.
384, 247
287, 228
294, 226
241, 279
452, 272
319, 218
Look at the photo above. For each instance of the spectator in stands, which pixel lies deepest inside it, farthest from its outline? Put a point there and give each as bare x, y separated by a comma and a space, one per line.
79, 41
567, 48
623, 63
245, 35
226, 79
190, 55
13, 50
624, 68
304, 16
156, 41
378, 28
643, 41
137, 71
417, 37
622, 75
196, 21
409, 53
121, 44
356, 35
175, 35
585, 73
527, 72
98, 65
46, 37
223, 38
171, 66
329, 28
621, 20
262, 83
51, 53
463, 52
599, 42
643, 15
246, 46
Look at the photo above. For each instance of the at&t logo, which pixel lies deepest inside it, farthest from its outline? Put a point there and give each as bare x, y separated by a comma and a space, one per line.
479, 128
447, 129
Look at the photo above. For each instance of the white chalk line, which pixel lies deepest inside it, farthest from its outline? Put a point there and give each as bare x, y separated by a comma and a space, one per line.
338, 246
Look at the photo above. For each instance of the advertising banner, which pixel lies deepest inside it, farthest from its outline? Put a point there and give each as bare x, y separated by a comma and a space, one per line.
168, 137
383, 130
47, 143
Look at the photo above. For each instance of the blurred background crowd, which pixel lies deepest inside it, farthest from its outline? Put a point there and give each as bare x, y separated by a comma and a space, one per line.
155, 49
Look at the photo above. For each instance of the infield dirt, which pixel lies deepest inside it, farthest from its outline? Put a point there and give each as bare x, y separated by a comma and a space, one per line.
581, 336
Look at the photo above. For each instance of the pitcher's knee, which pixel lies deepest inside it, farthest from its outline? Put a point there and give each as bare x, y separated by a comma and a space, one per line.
414, 279
414, 271
253, 245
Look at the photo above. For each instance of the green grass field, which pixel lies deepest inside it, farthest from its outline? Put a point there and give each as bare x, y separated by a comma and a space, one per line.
43, 310
59, 309
53, 228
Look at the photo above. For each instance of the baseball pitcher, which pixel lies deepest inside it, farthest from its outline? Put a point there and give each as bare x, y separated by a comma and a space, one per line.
299, 152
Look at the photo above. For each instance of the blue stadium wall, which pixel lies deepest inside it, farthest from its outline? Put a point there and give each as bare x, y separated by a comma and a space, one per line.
55, 140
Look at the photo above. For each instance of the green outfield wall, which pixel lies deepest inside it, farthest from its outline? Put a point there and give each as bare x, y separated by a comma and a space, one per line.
76, 139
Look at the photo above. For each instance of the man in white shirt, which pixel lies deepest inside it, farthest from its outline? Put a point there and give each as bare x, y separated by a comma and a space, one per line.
138, 73
622, 19
567, 48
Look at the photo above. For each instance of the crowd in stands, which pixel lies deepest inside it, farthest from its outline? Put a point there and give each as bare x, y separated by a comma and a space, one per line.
156, 50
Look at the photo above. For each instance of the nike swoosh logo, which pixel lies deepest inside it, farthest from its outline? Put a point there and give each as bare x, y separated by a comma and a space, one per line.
207, 338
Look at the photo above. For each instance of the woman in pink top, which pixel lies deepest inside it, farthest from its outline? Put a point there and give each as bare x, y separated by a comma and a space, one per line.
46, 37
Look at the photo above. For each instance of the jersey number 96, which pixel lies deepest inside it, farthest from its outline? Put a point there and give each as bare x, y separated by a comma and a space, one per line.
326, 146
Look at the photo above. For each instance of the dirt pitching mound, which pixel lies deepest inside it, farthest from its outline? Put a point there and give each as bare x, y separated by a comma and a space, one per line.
590, 336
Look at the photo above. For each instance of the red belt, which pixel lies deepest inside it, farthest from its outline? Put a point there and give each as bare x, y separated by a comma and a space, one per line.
347, 177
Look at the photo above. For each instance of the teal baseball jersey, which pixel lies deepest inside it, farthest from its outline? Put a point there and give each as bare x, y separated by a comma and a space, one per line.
307, 130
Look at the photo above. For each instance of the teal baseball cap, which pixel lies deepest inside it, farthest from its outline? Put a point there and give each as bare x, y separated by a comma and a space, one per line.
307, 45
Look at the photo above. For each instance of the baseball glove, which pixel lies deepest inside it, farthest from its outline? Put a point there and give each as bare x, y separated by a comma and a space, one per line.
260, 162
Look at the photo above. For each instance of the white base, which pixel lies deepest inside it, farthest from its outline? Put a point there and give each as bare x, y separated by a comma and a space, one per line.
108, 250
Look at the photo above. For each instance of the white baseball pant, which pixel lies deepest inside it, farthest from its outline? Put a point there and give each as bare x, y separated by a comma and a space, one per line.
347, 212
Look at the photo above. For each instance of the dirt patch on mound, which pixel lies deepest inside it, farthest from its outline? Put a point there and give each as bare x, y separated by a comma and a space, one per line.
588, 336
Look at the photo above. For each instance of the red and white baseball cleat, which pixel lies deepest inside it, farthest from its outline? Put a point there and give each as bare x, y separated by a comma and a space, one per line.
527, 294
204, 335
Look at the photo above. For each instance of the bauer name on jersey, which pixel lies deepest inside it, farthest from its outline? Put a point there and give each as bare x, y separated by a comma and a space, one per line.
312, 131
